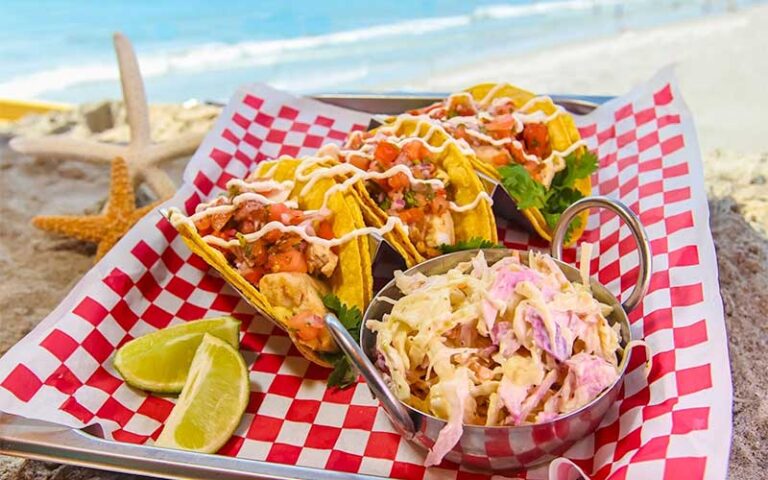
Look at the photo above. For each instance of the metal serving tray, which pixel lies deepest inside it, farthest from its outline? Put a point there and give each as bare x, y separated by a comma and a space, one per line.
54, 443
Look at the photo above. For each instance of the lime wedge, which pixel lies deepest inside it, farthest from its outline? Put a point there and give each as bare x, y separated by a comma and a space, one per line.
212, 401
159, 362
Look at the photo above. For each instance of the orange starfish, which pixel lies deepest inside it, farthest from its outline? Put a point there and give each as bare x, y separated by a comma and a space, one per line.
106, 229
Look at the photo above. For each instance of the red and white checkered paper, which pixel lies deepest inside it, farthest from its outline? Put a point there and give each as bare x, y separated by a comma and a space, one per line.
674, 425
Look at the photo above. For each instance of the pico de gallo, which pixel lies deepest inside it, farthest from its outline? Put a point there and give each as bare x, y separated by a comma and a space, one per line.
497, 135
410, 185
234, 215
514, 143
278, 248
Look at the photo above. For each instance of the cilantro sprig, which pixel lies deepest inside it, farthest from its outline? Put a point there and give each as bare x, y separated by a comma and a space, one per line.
471, 244
576, 167
527, 192
343, 374
552, 202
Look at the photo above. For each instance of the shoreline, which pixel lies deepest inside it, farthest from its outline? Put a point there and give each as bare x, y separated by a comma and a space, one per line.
719, 61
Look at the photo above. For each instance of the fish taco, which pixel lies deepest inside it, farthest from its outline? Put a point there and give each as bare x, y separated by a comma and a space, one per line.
528, 143
289, 255
413, 172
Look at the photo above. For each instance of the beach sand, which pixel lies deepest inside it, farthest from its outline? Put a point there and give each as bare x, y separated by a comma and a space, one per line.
719, 63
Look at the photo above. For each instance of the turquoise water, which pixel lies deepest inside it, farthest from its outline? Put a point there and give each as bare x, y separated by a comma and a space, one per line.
61, 50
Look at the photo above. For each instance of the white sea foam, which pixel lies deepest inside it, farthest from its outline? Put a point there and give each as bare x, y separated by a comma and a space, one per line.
221, 56
540, 8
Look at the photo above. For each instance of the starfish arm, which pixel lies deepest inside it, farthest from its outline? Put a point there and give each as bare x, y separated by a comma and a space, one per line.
115, 234
180, 146
107, 243
159, 181
61, 146
88, 228
122, 200
134, 96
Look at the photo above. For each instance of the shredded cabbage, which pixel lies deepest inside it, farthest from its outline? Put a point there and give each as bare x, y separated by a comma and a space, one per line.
506, 344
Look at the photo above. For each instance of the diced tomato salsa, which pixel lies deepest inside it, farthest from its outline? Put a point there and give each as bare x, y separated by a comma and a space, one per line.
273, 252
494, 134
396, 194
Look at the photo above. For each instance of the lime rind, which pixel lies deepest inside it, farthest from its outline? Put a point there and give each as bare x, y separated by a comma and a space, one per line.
160, 361
212, 401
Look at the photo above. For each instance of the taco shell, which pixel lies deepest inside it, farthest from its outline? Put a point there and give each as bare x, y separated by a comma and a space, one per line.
351, 282
562, 134
463, 188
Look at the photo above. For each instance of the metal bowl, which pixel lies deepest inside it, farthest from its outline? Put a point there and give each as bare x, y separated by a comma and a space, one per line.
503, 447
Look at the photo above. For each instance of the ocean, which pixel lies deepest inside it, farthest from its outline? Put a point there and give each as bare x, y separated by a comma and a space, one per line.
62, 49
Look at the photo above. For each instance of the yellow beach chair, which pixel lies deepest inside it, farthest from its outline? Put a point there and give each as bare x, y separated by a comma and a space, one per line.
14, 109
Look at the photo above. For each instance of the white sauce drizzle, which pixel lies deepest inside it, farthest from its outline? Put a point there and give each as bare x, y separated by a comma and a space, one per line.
311, 180
357, 153
221, 209
301, 232
469, 206
360, 175
261, 185
492, 93
553, 163
279, 193
249, 196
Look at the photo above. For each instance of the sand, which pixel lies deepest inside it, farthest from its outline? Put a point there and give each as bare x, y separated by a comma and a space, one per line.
38, 270
720, 62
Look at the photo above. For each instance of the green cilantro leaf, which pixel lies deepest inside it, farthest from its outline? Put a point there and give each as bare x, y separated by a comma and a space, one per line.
552, 219
527, 192
471, 244
558, 200
576, 167
561, 194
233, 191
386, 204
430, 193
351, 318
343, 374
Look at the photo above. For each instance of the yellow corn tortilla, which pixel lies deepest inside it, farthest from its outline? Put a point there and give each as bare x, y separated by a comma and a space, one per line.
352, 282
463, 188
562, 134
353, 286
376, 217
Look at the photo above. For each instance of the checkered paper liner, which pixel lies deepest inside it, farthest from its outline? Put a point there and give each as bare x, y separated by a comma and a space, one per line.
675, 424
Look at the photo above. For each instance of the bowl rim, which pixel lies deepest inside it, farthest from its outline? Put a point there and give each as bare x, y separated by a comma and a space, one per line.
465, 255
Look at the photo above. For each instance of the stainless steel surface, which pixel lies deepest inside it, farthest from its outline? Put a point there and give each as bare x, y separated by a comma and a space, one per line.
392, 104
506, 447
53, 443
638, 232
396, 410
49, 442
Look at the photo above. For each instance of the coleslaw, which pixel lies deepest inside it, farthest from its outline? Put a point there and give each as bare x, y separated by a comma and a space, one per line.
496, 345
